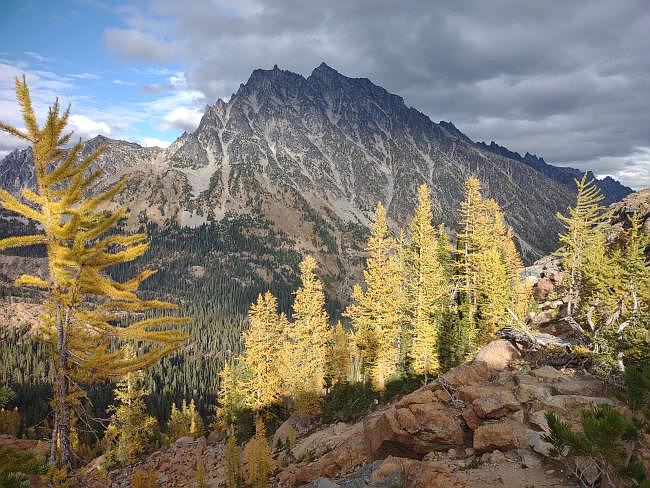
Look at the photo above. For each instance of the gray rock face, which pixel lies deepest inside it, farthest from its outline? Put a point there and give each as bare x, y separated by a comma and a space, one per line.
314, 155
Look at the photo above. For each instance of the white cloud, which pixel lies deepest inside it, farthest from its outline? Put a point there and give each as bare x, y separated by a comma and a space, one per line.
634, 169
85, 76
124, 83
154, 142
182, 118
86, 128
38, 57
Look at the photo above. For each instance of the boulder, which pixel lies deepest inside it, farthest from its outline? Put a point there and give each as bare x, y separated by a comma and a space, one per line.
572, 404
467, 374
496, 406
548, 374
494, 457
490, 401
498, 354
544, 317
537, 444
538, 419
292, 428
542, 289
414, 430
422, 395
529, 459
471, 419
321, 482
585, 387
326, 439
214, 437
506, 434
527, 392
416, 474
349, 454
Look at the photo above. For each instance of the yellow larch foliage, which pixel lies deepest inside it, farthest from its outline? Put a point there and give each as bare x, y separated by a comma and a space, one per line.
307, 337
259, 458
231, 399
184, 421
427, 287
131, 429
85, 308
232, 463
581, 241
262, 353
339, 355
378, 310
489, 270
471, 208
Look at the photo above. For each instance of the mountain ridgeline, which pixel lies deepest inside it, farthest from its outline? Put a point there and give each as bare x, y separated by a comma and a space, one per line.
312, 156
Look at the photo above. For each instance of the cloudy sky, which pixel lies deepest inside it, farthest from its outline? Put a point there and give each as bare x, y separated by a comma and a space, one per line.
567, 80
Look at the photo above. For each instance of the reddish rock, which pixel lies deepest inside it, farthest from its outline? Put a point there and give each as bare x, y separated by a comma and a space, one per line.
498, 354
413, 431
418, 474
471, 419
467, 374
586, 387
496, 405
542, 289
548, 374
419, 396
506, 434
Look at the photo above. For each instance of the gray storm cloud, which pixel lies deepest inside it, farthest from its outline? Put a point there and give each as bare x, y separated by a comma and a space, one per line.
565, 80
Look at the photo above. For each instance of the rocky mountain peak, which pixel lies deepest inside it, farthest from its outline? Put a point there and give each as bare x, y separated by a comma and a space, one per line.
324, 72
314, 155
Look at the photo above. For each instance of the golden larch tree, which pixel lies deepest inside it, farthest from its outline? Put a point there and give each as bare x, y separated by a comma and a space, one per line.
262, 347
307, 337
471, 209
259, 457
426, 286
377, 312
131, 429
581, 238
85, 307
339, 355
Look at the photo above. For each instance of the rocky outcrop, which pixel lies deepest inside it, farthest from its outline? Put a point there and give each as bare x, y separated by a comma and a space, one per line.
472, 410
413, 473
40, 447
174, 466
471, 427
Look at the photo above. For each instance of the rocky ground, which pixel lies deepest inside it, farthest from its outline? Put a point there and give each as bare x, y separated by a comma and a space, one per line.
478, 425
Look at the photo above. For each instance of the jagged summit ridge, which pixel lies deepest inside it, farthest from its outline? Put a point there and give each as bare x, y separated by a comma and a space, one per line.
314, 155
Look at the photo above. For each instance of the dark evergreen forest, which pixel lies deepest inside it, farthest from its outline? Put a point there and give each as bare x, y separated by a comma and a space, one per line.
214, 272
